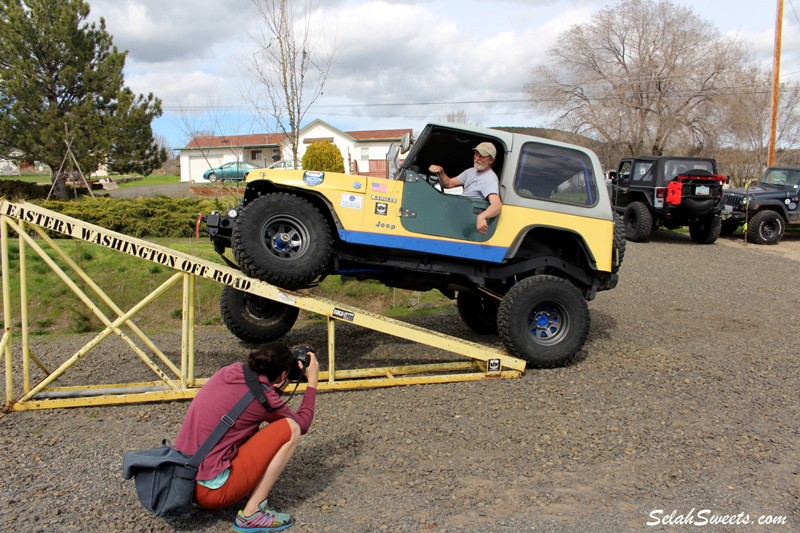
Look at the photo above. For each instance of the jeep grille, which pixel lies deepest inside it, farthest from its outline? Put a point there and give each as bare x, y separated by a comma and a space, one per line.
733, 199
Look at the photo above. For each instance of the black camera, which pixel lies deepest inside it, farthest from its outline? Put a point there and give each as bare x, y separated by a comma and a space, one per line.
300, 355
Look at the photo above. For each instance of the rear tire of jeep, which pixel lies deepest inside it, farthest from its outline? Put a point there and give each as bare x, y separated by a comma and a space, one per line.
705, 231
765, 227
255, 319
282, 239
619, 243
729, 227
638, 222
544, 320
478, 312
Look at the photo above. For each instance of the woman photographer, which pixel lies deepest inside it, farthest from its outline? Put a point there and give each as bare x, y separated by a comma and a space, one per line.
248, 460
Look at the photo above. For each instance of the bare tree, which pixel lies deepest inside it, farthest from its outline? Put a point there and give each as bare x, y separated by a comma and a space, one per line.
642, 75
745, 119
290, 72
458, 116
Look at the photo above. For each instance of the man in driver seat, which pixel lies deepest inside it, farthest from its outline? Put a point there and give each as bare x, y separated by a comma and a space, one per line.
479, 181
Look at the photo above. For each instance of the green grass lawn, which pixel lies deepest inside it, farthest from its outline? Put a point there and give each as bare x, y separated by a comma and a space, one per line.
152, 179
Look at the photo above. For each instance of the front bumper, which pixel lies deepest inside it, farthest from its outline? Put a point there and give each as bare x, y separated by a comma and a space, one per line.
220, 230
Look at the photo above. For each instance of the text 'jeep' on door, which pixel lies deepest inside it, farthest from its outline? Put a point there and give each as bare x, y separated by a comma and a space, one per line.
767, 208
552, 248
651, 192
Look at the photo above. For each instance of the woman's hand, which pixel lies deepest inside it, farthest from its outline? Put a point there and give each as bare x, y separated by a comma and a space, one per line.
312, 372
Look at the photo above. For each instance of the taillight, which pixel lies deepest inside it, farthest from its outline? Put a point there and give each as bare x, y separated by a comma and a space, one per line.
661, 193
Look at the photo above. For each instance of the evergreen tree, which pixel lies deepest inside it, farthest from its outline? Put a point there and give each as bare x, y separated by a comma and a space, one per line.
61, 77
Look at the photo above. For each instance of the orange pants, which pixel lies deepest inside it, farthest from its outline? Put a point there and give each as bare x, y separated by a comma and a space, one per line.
247, 468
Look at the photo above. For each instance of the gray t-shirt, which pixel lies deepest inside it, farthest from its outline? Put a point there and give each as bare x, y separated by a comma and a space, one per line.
479, 184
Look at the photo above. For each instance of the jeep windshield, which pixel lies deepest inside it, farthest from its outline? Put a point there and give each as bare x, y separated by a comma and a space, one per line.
782, 178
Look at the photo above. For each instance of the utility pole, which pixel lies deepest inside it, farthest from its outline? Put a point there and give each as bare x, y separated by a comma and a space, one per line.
776, 73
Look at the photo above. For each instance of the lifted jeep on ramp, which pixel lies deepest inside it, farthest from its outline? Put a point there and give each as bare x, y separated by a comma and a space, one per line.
672, 192
552, 248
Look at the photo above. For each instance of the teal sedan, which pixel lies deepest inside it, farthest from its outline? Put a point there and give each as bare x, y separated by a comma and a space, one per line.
233, 171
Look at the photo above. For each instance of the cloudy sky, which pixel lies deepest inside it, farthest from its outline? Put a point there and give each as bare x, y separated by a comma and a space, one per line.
442, 55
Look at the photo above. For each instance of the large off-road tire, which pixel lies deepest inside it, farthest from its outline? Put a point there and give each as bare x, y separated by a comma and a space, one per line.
478, 311
282, 239
544, 320
729, 227
255, 319
619, 243
765, 227
705, 231
638, 222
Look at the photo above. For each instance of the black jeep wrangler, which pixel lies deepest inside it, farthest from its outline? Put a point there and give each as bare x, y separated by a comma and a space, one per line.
652, 191
766, 208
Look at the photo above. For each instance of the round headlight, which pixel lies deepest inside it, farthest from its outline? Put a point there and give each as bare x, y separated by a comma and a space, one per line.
233, 213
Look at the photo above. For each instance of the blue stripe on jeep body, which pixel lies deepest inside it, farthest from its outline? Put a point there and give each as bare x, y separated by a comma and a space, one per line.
478, 252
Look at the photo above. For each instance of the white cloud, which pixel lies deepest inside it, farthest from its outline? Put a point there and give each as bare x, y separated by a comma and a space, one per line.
189, 52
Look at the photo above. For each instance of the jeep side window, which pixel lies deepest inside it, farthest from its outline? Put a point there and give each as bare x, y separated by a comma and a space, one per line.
625, 172
643, 172
556, 174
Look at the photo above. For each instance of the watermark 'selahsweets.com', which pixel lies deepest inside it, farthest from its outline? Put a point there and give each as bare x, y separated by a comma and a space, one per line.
707, 517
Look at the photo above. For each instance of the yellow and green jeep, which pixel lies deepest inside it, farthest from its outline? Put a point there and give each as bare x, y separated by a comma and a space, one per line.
555, 244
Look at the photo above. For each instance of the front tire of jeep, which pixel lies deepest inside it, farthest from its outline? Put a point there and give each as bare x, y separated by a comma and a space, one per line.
705, 231
544, 320
638, 222
478, 312
765, 227
255, 319
282, 239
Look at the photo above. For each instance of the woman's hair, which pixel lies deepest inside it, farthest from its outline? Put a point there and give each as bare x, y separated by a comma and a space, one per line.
270, 360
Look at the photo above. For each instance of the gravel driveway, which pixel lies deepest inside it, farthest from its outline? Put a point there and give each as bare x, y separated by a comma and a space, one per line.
685, 400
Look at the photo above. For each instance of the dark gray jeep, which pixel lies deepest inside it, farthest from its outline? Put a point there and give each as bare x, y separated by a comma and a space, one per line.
765, 209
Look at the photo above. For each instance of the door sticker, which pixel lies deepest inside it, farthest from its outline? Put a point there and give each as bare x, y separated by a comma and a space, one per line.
352, 201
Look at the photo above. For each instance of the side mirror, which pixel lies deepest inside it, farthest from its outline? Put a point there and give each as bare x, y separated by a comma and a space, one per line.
405, 143
392, 161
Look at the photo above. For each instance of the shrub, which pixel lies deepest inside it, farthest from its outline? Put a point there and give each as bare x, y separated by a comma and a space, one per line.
22, 190
140, 217
324, 156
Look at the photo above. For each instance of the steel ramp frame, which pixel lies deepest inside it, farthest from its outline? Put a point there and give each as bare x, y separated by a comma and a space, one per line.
177, 381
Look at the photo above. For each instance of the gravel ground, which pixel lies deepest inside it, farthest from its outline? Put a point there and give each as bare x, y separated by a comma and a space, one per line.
684, 399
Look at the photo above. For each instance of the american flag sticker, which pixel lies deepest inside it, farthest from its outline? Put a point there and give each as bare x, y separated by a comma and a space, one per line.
379, 187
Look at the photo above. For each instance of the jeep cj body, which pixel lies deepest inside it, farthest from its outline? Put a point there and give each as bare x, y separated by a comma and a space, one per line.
552, 248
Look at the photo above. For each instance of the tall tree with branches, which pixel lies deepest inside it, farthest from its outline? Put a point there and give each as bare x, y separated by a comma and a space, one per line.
289, 70
643, 75
62, 88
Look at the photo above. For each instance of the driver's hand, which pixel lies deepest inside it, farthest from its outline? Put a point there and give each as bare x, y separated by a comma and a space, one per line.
435, 169
482, 224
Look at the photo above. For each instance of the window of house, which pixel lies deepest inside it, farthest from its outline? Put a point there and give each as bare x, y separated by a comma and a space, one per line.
255, 155
365, 154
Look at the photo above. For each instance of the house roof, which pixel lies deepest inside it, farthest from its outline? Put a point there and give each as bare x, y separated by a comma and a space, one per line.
378, 135
275, 139
223, 141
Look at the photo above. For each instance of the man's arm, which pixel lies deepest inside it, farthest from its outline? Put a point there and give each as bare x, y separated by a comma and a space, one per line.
495, 206
446, 181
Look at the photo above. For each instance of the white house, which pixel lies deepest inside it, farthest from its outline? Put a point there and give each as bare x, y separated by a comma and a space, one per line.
364, 152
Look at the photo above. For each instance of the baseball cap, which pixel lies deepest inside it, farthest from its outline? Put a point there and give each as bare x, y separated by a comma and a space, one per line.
486, 148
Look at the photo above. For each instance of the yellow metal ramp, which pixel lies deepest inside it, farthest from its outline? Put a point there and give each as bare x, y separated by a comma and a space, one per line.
176, 380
